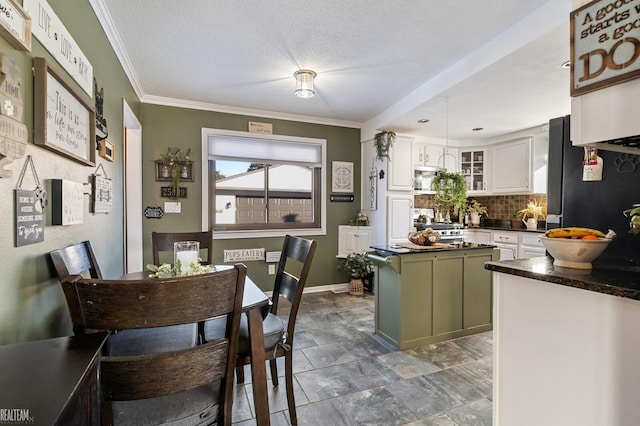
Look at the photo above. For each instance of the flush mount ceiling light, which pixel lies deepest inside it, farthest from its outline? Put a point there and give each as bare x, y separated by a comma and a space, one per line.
423, 120
477, 129
304, 83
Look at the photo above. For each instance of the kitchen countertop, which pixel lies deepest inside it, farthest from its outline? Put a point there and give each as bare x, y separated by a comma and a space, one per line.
607, 281
499, 228
406, 249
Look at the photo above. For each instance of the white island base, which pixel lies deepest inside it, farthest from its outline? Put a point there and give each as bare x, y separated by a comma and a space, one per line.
564, 356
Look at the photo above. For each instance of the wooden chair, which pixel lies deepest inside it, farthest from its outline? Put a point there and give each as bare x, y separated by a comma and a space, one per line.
152, 380
163, 241
279, 337
76, 259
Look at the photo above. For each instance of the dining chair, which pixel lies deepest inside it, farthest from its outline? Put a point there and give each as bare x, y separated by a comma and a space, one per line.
163, 241
76, 259
162, 377
291, 276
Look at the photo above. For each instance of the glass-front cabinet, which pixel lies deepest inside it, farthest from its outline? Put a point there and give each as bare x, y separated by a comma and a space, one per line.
473, 166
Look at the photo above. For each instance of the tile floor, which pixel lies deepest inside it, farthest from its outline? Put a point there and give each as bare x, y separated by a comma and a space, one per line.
343, 376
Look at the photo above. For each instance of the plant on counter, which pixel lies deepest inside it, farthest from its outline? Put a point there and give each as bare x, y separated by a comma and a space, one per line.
634, 214
475, 207
451, 191
383, 142
533, 211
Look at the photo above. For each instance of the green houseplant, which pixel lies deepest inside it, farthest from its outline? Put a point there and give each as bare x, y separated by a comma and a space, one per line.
357, 266
176, 161
476, 209
383, 142
451, 191
634, 214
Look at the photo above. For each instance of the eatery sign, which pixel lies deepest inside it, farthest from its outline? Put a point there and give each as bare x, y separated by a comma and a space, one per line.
243, 255
605, 44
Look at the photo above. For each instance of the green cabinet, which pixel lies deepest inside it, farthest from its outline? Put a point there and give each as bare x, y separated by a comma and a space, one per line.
424, 298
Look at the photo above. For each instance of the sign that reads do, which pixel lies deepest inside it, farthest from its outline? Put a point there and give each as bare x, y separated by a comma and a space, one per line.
605, 44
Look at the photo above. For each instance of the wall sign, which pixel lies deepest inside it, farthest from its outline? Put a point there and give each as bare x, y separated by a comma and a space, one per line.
29, 218
53, 35
605, 44
102, 192
67, 202
341, 176
15, 25
243, 255
63, 122
152, 212
170, 192
341, 198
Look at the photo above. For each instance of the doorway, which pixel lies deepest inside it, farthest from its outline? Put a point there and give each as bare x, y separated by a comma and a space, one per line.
132, 191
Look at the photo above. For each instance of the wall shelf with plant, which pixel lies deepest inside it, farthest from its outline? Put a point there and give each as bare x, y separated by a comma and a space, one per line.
174, 166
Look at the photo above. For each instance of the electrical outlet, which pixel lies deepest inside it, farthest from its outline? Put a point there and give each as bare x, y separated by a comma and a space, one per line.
272, 269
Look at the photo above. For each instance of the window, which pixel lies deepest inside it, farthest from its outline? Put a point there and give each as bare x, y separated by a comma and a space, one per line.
263, 185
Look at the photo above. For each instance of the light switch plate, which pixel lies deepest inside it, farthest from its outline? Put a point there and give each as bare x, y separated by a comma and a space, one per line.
172, 206
272, 269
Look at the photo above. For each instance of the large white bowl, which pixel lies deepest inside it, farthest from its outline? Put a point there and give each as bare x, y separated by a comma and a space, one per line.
574, 253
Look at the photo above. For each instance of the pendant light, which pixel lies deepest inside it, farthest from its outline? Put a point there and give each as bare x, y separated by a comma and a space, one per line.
304, 83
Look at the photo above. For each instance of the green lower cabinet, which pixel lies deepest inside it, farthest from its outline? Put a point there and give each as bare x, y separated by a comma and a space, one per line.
424, 298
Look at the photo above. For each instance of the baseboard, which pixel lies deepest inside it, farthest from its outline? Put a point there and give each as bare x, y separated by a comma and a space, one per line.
335, 288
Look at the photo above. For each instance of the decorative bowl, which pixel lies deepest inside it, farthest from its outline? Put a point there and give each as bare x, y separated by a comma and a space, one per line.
574, 253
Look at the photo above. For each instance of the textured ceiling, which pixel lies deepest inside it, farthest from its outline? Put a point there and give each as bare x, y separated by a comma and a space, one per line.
380, 64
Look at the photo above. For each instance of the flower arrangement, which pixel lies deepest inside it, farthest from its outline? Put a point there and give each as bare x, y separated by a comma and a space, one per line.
533, 210
474, 206
166, 270
176, 160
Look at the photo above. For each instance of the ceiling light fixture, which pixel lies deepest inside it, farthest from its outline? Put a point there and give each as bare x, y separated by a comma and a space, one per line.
566, 64
477, 129
304, 83
423, 120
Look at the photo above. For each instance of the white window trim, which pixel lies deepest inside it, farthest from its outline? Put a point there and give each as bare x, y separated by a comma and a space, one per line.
204, 170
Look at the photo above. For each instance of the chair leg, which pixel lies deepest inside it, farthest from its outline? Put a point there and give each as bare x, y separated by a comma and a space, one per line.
240, 374
288, 378
274, 371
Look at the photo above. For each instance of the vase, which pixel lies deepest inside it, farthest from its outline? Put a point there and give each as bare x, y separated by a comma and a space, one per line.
475, 220
531, 223
166, 171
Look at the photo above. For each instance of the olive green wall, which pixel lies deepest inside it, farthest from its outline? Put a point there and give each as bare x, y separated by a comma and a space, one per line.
32, 305
165, 127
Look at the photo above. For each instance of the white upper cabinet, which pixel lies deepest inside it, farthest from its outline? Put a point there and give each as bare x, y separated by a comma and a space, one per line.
512, 166
450, 156
400, 174
426, 155
474, 167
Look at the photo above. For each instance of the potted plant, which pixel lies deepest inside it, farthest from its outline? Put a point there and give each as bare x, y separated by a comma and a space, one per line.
476, 209
516, 220
383, 142
176, 163
531, 214
451, 191
634, 214
358, 266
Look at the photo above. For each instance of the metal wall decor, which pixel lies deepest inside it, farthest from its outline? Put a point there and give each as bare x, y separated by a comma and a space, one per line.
29, 207
101, 123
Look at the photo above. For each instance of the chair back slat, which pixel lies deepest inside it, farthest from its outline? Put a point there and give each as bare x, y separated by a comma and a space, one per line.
154, 302
77, 259
128, 378
163, 242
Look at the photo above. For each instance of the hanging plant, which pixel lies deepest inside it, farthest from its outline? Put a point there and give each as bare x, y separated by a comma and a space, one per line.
451, 191
383, 141
175, 160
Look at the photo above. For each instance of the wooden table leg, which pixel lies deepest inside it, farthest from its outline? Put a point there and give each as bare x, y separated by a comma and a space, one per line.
258, 368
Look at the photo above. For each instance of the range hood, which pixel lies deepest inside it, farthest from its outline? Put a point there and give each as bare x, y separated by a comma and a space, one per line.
607, 119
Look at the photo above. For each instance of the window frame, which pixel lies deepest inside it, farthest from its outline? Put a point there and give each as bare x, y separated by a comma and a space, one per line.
257, 232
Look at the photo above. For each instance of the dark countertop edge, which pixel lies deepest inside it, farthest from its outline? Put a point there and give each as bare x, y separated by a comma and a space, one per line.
541, 268
390, 252
497, 228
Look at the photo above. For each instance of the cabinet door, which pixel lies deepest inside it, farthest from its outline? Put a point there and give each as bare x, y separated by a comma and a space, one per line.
473, 164
512, 166
447, 295
400, 176
365, 238
399, 218
477, 291
451, 162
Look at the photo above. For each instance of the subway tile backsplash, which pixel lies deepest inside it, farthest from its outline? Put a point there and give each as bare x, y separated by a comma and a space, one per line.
498, 206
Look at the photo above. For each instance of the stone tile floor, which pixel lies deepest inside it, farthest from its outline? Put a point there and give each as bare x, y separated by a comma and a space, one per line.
344, 376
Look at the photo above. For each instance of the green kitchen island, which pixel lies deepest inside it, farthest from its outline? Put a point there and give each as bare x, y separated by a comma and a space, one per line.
424, 296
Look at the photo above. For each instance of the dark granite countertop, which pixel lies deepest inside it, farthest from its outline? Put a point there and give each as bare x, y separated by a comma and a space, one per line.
407, 248
607, 281
501, 228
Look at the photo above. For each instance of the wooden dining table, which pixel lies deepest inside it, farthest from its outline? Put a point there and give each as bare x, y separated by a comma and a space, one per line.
255, 304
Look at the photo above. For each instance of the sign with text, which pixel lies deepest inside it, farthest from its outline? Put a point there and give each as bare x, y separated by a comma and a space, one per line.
605, 44
53, 35
243, 255
29, 218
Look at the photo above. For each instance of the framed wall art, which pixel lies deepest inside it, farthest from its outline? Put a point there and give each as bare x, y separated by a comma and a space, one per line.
15, 25
107, 150
67, 202
63, 121
341, 176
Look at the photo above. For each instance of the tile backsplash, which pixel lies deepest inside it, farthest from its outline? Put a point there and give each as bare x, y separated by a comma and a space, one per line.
498, 206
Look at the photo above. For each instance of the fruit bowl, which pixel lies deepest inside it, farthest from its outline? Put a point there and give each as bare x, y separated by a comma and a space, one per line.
574, 253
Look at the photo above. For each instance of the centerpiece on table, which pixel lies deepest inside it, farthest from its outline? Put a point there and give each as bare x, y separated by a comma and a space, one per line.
185, 262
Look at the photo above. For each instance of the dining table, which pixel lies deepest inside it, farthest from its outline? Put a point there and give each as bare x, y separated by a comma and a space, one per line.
255, 305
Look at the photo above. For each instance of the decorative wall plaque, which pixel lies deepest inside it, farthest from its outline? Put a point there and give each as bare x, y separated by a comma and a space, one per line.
29, 209
13, 134
67, 202
53, 35
63, 121
170, 192
102, 192
15, 25
153, 212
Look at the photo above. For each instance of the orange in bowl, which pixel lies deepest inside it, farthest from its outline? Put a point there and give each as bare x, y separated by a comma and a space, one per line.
575, 253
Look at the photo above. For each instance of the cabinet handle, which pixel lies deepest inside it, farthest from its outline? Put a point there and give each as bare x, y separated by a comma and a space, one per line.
420, 157
426, 158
